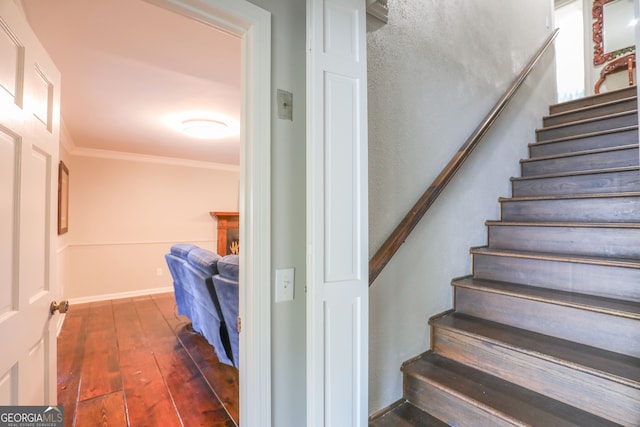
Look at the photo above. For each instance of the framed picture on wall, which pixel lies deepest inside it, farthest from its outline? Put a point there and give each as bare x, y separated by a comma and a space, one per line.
63, 198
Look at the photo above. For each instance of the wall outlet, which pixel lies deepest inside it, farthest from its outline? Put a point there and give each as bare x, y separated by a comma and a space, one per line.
285, 283
285, 104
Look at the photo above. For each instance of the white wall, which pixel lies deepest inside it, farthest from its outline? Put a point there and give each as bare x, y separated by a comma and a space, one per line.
124, 215
288, 227
435, 70
570, 51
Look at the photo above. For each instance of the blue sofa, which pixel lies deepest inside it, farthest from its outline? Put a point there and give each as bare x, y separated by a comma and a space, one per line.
225, 284
176, 257
192, 269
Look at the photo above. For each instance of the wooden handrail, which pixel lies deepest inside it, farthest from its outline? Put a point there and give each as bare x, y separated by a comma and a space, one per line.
411, 219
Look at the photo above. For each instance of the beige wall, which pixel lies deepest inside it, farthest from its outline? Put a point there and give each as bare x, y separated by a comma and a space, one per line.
124, 215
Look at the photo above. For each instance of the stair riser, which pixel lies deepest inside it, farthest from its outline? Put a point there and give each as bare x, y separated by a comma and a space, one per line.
589, 101
594, 111
594, 161
606, 140
592, 241
622, 120
607, 182
612, 333
598, 280
605, 209
560, 382
448, 407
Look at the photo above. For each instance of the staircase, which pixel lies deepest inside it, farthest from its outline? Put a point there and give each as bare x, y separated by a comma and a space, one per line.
546, 331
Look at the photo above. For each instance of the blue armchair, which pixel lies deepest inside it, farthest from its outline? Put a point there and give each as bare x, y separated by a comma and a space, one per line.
226, 288
192, 269
176, 257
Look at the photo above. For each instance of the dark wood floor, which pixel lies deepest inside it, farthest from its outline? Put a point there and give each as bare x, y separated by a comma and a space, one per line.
134, 362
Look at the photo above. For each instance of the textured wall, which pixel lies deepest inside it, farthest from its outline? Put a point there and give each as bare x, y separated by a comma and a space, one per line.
435, 70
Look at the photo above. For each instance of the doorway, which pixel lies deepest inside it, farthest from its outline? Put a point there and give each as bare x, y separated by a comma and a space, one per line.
570, 57
253, 25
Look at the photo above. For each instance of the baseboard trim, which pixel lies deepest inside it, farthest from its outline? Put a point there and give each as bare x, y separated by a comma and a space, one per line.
120, 295
381, 412
60, 323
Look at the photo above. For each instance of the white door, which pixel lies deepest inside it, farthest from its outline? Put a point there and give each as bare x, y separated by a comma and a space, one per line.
29, 130
337, 278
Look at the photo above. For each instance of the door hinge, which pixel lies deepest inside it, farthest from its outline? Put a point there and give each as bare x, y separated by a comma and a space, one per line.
239, 324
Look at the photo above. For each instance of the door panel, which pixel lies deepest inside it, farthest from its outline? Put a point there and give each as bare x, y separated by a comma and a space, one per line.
343, 252
12, 63
29, 138
9, 173
7, 384
337, 279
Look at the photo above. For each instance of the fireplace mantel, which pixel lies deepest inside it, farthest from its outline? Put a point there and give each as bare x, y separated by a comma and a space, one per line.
228, 232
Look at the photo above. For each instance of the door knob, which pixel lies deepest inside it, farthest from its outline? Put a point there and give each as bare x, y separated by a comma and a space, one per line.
63, 307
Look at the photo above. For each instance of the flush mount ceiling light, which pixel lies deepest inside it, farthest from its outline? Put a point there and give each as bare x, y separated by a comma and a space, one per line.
205, 128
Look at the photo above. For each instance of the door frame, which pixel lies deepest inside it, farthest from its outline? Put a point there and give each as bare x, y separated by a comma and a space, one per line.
253, 26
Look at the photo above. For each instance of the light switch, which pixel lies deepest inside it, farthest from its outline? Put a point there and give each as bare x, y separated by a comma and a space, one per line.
284, 284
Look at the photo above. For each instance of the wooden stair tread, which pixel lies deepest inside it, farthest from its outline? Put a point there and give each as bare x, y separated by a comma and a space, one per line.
569, 197
406, 415
584, 135
576, 173
589, 120
614, 366
595, 99
536, 316
591, 107
614, 307
581, 259
568, 224
508, 401
580, 153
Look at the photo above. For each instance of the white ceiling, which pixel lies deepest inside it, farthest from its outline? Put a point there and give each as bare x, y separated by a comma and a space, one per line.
131, 72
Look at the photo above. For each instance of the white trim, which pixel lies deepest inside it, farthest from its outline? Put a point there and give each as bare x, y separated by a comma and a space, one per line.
146, 158
253, 25
140, 243
60, 323
65, 138
120, 295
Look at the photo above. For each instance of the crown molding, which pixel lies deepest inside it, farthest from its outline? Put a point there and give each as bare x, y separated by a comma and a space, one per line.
67, 143
145, 158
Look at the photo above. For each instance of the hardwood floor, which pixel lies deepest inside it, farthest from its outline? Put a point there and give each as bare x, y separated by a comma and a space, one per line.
134, 362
